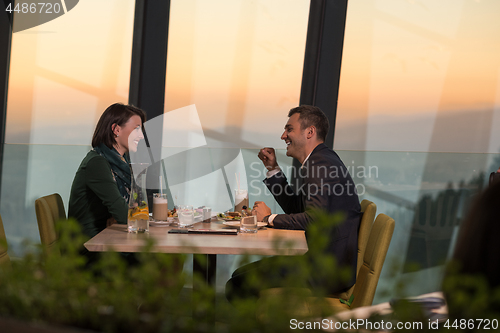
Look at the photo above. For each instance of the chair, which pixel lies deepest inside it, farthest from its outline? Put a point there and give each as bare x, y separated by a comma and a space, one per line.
364, 289
373, 261
369, 210
4, 256
49, 210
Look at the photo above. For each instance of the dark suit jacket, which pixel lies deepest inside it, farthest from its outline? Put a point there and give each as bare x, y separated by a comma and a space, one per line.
327, 185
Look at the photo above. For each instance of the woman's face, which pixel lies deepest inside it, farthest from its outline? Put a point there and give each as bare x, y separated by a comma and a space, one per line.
129, 135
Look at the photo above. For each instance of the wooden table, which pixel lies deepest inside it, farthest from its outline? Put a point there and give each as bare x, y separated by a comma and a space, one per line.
266, 241
263, 242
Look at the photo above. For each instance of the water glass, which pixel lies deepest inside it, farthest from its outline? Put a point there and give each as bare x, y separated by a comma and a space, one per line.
207, 214
185, 215
248, 224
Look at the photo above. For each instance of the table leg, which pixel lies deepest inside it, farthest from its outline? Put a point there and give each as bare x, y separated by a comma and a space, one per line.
204, 265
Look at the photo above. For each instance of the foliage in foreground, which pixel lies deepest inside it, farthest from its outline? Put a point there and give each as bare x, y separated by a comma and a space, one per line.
111, 296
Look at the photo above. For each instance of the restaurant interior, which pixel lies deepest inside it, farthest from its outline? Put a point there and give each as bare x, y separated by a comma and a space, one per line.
411, 90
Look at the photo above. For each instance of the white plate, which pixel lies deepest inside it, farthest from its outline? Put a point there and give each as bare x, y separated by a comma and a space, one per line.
168, 221
159, 224
237, 224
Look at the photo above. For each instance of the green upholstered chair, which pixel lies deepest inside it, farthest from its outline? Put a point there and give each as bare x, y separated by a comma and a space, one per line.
369, 210
366, 282
373, 262
49, 210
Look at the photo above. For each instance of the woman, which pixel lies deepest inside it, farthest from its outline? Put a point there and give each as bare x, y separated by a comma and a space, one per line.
101, 187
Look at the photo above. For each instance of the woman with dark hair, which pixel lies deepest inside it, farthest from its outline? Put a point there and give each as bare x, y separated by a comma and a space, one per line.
101, 186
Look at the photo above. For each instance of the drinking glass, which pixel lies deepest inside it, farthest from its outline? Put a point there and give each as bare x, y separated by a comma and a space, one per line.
248, 224
186, 215
240, 200
138, 210
160, 207
207, 214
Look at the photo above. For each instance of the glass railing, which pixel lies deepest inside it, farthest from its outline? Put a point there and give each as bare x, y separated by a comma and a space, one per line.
427, 194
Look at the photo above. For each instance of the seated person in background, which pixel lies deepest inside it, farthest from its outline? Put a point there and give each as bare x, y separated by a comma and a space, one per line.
100, 191
495, 176
326, 185
472, 283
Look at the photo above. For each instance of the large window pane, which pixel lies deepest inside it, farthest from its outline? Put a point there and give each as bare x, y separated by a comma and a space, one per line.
234, 69
63, 75
420, 101
240, 64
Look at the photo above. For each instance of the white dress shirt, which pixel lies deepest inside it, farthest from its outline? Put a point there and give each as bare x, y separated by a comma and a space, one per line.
273, 172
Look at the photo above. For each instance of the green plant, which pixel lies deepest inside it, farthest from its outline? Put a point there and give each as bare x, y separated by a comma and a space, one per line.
112, 296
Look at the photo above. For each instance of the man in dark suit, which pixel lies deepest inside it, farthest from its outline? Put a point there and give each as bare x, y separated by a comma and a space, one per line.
325, 184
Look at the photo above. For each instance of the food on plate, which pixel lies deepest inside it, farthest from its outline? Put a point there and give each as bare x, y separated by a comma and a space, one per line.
172, 213
230, 216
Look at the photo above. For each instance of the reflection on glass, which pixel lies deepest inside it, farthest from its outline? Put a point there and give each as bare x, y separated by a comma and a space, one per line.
419, 99
63, 74
424, 72
239, 65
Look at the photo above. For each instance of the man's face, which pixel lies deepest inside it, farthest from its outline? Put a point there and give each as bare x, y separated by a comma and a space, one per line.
294, 137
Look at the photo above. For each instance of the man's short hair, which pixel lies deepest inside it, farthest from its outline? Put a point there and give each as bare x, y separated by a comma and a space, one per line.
312, 116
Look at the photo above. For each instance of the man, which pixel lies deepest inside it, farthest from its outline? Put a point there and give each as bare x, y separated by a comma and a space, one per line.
326, 185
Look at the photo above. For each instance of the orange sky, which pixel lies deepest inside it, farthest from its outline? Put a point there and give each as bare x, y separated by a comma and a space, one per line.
243, 69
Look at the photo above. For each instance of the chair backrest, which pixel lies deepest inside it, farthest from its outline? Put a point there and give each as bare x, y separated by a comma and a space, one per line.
373, 261
4, 256
49, 210
369, 210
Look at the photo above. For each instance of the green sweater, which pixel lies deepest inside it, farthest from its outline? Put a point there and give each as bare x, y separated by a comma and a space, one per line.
94, 195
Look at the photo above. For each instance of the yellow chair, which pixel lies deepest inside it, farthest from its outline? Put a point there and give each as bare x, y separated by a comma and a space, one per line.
369, 210
373, 261
4, 256
49, 210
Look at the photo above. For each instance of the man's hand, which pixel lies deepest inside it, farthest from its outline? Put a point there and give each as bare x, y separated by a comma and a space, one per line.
261, 210
268, 157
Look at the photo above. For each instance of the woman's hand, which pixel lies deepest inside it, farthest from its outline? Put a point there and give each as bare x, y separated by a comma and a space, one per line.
110, 221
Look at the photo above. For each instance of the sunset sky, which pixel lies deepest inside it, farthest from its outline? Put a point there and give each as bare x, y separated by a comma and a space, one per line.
406, 65
423, 71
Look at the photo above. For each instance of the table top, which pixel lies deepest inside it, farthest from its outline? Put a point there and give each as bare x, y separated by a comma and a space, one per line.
266, 241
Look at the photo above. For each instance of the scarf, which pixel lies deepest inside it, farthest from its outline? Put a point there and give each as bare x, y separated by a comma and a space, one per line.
120, 168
